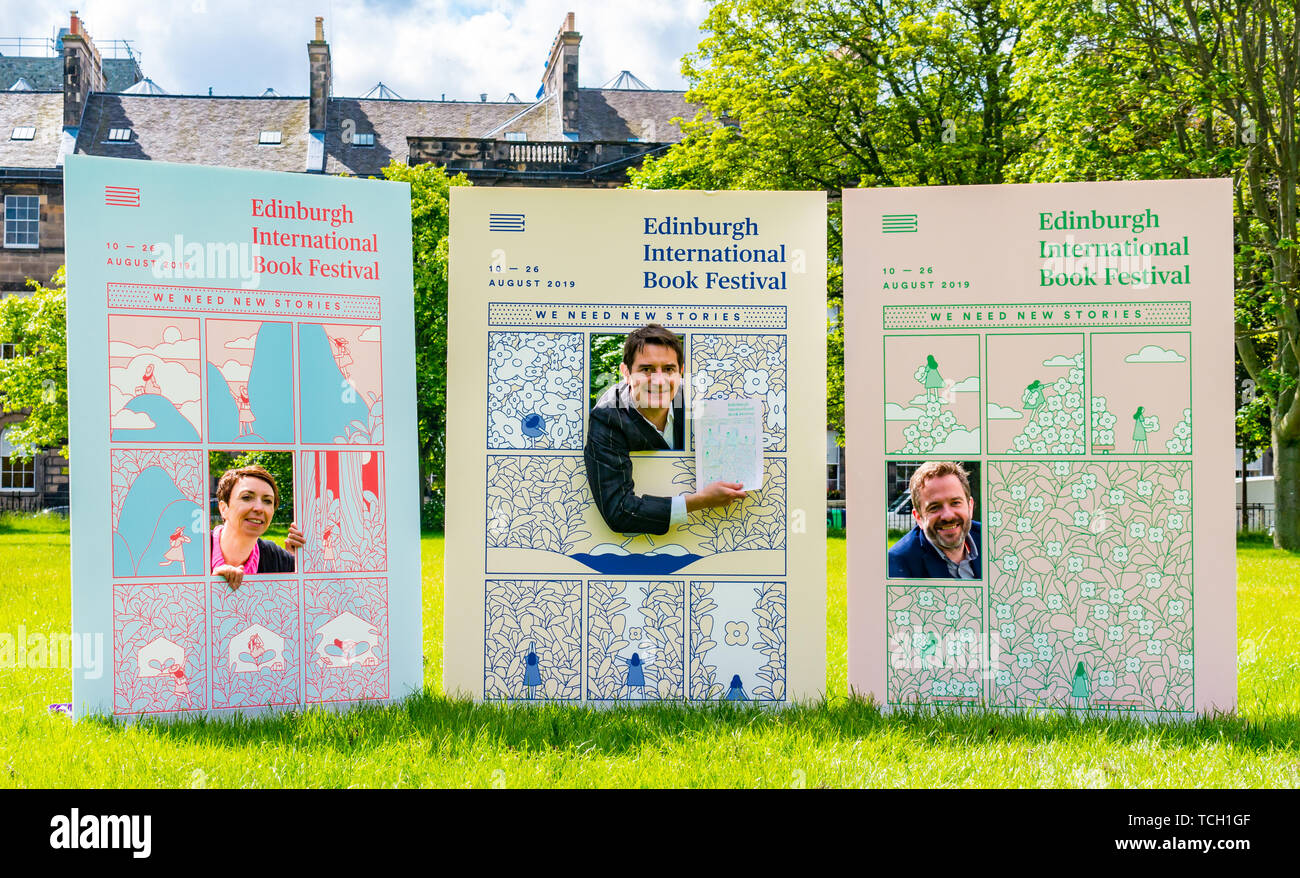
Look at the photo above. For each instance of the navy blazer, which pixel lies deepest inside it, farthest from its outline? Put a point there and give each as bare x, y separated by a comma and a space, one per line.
913, 557
615, 429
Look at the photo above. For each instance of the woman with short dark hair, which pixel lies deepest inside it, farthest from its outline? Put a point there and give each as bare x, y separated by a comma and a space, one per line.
247, 498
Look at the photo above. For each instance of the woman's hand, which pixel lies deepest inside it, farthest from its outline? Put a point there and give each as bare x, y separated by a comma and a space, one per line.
295, 539
233, 575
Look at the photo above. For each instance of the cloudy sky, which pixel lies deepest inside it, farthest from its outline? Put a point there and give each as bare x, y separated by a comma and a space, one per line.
419, 48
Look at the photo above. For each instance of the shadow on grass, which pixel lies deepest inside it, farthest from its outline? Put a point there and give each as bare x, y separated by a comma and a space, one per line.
459, 726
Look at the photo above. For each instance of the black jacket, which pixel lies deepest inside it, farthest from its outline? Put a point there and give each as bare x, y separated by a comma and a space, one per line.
273, 559
615, 429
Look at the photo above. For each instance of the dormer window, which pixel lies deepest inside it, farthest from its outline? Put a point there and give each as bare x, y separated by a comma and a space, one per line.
119, 135
363, 139
23, 132
269, 138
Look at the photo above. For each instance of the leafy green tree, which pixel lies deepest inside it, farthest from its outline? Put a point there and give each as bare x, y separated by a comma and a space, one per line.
36, 379
827, 94
430, 188
1138, 89
278, 463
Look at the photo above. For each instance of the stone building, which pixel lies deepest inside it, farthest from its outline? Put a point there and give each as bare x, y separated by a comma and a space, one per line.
75, 99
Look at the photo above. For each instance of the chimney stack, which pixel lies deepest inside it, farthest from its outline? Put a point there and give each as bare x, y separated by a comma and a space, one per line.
562, 75
83, 71
318, 58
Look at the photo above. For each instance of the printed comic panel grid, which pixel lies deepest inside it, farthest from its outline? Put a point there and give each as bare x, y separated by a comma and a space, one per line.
1091, 584
937, 648
535, 390
731, 366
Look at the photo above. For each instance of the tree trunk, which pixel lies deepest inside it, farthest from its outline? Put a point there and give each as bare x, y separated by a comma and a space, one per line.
1286, 493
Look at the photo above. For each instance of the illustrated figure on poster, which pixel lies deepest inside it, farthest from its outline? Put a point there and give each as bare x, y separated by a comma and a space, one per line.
344, 649
327, 547
247, 498
1033, 397
246, 416
736, 692
944, 543
342, 356
1080, 689
532, 669
176, 554
256, 650
635, 672
150, 382
642, 412
931, 379
182, 683
1139, 432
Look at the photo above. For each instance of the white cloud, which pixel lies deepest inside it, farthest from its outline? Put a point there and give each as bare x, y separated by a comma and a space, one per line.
419, 48
177, 383
919, 399
243, 344
1001, 413
960, 442
1058, 360
129, 420
1152, 353
182, 349
370, 333
895, 412
966, 385
234, 371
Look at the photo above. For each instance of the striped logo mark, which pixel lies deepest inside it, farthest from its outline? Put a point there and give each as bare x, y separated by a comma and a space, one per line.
898, 222
122, 196
505, 222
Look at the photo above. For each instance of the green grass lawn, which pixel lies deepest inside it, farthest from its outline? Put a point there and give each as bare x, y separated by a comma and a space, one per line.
432, 741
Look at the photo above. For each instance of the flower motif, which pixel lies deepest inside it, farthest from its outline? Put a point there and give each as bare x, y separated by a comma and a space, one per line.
1060, 419
1010, 563
721, 365
952, 612
1061, 469
1135, 613
1078, 492
995, 518
744, 349
1021, 443
701, 381
755, 382
1153, 580
1175, 608
1116, 497
1025, 660
1098, 405
1175, 521
541, 342
1045, 419
737, 633
1182, 497
1156, 534
1144, 488
1137, 530
1107, 421
560, 431
1028, 589
1054, 602
925, 443
1051, 434
1038, 448
776, 409
1035, 504
1107, 678
1062, 385
1007, 630
966, 635
932, 409
924, 422
1119, 555
1116, 596
903, 618
1132, 664
1002, 611
1154, 647
1074, 564
925, 598
1081, 518
1004, 678
1033, 431
1101, 612
1077, 417
1045, 653
1053, 549
1067, 436
1146, 627
1018, 492
910, 432
1080, 635
1023, 525
1184, 662
1106, 437
774, 358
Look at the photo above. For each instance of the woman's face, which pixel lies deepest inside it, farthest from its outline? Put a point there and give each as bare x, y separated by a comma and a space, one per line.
252, 503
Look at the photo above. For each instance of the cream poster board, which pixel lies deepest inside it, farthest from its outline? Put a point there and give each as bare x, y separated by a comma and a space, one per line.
544, 601
217, 312
1071, 346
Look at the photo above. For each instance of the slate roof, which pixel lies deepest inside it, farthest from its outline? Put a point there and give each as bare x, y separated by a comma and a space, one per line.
620, 114
42, 110
198, 130
394, 121
46, 74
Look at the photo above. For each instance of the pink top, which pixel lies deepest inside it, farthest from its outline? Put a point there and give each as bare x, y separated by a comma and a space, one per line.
250, 566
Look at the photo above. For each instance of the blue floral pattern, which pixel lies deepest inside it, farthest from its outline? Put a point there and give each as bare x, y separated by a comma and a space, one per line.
636, 645
536, 502
725, 666
535, 390
729, 366
532, 619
